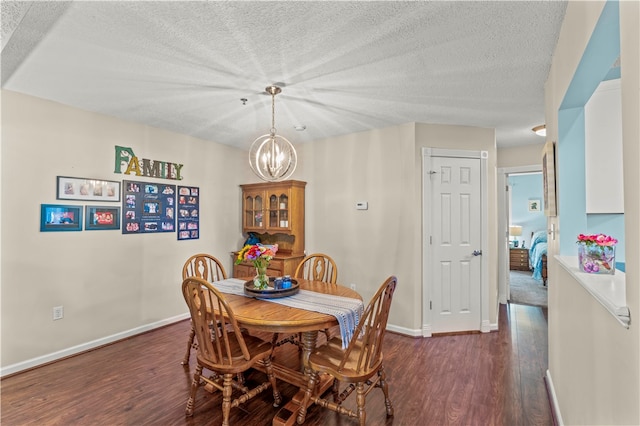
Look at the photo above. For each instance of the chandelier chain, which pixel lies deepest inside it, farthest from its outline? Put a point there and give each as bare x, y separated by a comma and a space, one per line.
273, 114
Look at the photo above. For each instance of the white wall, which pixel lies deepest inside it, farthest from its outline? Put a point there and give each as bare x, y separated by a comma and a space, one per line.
367, 245
603, 121
521, 155
594, 363
107, 282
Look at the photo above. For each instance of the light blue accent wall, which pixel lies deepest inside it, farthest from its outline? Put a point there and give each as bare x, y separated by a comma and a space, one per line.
610, 224
595, 66
613, 74
572, 202
597, 60
524, 188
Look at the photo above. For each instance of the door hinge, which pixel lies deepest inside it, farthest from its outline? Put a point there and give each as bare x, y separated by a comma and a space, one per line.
430, 239
430, 305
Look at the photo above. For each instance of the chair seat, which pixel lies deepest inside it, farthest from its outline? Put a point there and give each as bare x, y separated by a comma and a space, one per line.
258, 349
327, 359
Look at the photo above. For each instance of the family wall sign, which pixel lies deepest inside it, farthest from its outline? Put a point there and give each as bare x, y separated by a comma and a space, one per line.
144, 166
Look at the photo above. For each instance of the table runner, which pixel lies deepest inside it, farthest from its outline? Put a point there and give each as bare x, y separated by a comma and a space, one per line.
346, 310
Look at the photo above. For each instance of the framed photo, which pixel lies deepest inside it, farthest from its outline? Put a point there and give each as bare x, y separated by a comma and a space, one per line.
97, 218
56, 217
549, 178
148, 207
534, 205
188, 212
151, 207
84, 189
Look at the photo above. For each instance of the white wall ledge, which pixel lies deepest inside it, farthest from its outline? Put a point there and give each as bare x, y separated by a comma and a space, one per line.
609, 290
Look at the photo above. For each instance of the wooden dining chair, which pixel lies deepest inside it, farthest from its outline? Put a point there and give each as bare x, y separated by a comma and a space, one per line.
208, 268
317, 267
224, 350
355, 366
314, 267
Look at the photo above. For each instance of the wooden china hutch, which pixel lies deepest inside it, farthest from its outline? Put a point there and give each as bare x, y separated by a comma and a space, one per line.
274, 211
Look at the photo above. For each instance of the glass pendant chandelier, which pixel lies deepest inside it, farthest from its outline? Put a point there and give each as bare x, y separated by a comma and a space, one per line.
272, 157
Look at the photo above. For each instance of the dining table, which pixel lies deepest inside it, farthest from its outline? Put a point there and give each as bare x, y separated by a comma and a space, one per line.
267, 315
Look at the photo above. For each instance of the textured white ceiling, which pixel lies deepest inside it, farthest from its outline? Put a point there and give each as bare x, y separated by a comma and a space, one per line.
344, 67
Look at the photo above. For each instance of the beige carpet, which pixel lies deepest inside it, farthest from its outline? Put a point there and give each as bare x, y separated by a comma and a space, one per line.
525, 290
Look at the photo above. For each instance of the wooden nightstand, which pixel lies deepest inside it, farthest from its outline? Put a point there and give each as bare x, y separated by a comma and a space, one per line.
519, 259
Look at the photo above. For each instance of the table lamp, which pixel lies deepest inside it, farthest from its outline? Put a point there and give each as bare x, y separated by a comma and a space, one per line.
515, 231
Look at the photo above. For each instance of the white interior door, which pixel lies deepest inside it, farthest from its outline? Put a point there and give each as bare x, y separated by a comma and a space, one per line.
456, 243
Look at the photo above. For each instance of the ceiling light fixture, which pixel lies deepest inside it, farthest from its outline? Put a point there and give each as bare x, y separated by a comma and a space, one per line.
540, 130
272, 157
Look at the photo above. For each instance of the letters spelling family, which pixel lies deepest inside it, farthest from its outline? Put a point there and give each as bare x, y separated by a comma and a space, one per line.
145, 167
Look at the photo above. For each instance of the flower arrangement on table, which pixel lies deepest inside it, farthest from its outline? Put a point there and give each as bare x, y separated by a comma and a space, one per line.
260, 255
597, 253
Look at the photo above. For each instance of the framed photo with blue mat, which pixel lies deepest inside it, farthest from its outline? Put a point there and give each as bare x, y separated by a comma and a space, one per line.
57, 217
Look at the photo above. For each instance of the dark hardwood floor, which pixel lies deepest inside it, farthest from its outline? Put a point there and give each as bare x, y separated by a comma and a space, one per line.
466, 379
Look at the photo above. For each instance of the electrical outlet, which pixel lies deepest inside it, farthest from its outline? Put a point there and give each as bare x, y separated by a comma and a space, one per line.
58, 312
353, 286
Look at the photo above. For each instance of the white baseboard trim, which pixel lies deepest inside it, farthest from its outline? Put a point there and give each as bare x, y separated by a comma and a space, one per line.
34, 362
404, 330
487, 327
494, 326
555, 407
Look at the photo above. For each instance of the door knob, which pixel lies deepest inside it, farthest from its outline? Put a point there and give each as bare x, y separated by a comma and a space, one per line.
477, 253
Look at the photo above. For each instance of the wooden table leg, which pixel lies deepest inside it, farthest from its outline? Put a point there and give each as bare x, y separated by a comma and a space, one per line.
288, 413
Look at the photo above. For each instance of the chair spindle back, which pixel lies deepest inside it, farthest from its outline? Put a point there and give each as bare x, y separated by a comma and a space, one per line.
204, 266
214, 323
369, 333
318, 267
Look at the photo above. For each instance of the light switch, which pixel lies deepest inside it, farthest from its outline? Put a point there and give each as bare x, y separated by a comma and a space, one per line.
362, 205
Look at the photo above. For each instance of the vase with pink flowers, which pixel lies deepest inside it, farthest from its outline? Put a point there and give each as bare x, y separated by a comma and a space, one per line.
597, 253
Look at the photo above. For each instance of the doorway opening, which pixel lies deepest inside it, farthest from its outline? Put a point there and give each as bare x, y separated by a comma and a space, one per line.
522, 236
